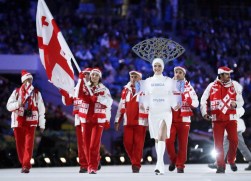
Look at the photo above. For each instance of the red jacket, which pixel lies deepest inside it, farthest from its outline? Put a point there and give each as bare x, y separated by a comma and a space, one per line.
220, 96
129, 108
95, 108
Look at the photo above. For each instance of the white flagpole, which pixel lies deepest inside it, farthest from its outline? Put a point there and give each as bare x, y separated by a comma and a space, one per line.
73, 59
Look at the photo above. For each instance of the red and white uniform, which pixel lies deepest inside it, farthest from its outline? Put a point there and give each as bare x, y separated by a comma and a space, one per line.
76, 102
224, 117
135, 122
181, 126
94, 114
25, 127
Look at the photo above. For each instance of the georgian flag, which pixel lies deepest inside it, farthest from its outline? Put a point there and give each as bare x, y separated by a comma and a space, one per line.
54, 52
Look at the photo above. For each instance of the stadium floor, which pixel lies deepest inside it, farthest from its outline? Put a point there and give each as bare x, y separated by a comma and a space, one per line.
193, 172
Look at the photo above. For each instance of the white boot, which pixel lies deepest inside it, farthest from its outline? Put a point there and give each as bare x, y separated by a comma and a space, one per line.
156, 146
160, 157
156, 149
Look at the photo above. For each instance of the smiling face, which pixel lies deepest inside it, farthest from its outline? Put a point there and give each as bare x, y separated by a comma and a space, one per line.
179, 74
157, 68
95, 78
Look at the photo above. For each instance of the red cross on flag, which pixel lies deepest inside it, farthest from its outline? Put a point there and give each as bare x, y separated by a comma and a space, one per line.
54, 52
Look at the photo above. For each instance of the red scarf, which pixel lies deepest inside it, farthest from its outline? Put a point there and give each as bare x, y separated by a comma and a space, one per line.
186, 105
185, 109
27, 96
221, 96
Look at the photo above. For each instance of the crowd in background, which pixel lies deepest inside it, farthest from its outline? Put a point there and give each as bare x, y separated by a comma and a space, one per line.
105, 41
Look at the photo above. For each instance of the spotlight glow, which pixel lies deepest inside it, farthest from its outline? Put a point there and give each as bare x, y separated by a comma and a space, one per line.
108, 159
77, 159
62, 159
32, 161
214, 153
122, 159
149, 159
47, 160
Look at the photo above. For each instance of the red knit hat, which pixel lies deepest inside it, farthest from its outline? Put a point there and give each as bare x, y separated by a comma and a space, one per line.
181, 68
25, 75
136, 72
87, 70
97, 71
224, 69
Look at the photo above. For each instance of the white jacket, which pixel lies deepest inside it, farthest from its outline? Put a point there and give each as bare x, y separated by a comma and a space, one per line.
13, 105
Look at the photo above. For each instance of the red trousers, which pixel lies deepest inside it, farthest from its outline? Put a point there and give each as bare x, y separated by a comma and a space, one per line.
181, 130
134, 139
81, 153
218, 130
24, 137
92, 133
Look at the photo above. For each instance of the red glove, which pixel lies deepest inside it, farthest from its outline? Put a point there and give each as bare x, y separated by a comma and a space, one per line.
81, 75
94, 98
63, 93
107, 125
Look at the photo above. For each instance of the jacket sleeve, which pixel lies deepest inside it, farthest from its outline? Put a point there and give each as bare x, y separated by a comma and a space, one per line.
121, 108
13, 102
41, 111
194, 97
108, 114
239, 98
204, 100
106, 100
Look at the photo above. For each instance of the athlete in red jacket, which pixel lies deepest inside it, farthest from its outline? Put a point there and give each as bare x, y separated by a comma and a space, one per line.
76, 101
181, 123
28, 111
223, 96
135, 121
95, 114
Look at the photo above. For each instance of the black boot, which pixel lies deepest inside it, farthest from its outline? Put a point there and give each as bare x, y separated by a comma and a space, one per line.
25, 170
171, 167
220, 170
135, 169
157, 171
212, 165
180, 170
99, 166
233, 167
83, 170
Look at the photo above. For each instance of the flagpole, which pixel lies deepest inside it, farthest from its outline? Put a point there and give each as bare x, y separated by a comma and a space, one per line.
75, 62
